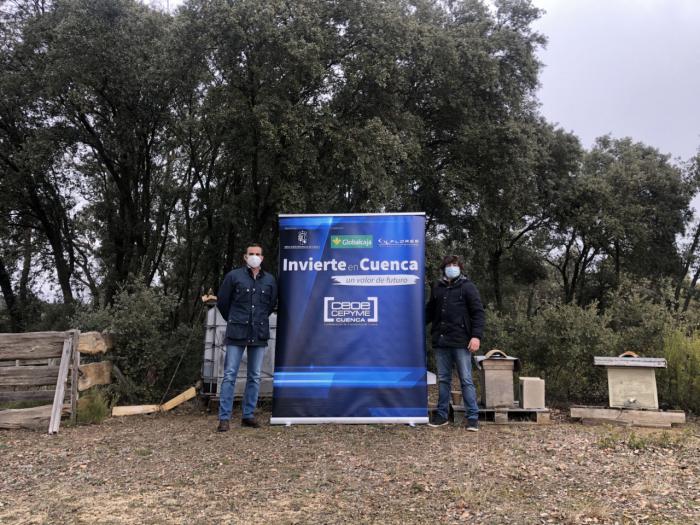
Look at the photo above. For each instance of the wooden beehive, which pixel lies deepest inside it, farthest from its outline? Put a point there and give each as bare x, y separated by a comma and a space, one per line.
496, 374
631, 380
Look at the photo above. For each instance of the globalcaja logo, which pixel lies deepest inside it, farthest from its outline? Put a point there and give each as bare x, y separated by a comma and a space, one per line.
351, 241
346, 312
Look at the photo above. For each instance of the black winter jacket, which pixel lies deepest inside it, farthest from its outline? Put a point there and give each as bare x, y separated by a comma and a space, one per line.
456, 313
246, 304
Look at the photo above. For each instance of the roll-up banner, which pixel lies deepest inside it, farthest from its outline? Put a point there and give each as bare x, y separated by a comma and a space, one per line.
350, 332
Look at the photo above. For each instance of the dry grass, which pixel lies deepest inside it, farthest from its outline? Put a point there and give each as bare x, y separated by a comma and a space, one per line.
173, 468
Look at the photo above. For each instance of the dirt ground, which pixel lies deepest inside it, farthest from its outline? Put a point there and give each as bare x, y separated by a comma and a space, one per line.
173, 468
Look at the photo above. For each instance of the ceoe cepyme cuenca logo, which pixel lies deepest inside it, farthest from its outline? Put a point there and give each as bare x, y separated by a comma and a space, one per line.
348, 312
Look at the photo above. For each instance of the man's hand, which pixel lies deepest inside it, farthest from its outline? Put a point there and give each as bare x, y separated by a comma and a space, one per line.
474, 344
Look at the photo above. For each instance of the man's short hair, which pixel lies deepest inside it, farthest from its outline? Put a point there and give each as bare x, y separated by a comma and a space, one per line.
253, 245
448, 260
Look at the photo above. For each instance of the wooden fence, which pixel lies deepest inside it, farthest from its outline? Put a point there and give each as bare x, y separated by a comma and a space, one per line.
45, 366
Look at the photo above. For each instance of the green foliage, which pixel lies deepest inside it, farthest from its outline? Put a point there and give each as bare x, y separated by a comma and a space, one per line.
661, 440
93, 407
558, 344
609, 440
639, 315
147, 349
679, 384
634, 441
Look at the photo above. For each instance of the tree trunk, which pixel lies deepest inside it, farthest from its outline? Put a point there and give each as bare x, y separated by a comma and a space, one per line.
26, 267
690, 257
691, 289
495, 269
531, 301
52, 220
617, 263
13, 309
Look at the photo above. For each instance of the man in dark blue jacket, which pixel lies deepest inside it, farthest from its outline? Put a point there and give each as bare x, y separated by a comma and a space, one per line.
457, 318
246, 299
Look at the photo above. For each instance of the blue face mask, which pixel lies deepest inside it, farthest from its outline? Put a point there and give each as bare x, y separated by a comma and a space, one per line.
452, 272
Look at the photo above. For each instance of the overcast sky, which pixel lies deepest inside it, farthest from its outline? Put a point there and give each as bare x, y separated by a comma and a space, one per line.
625, 67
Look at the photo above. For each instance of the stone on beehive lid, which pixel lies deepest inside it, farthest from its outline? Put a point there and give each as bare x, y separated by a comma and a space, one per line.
496, 374
631, 380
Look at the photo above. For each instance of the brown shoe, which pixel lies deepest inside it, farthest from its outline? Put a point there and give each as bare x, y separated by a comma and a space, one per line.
250, 422
224, 425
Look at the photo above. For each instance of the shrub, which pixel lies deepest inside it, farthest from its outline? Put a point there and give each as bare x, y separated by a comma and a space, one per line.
92, 408
679, 384
147, 348
639, 317
558, 345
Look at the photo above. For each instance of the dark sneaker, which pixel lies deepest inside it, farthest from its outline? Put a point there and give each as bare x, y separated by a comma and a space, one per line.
250, 422
437, 421
224, 425
473, 425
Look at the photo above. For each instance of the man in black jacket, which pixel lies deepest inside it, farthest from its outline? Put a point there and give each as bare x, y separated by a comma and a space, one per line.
246, 299
457, 318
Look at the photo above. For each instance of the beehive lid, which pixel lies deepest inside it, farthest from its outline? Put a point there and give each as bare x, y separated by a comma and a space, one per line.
497, 355
630, 359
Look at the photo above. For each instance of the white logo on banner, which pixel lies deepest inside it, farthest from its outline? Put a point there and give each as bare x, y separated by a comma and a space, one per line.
375, 280
397, 243
337, 311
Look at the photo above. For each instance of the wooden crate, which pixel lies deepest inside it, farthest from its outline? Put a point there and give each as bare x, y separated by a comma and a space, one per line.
42, 359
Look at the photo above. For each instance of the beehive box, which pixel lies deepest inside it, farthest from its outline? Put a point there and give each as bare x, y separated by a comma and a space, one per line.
496, 378
632, 380
531, 392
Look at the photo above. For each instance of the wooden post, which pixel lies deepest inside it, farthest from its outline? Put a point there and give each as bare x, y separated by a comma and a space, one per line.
55, 420
95, 343
92, 374
75, 338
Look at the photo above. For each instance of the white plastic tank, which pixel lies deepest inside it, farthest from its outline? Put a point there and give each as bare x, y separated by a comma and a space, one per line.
215, 352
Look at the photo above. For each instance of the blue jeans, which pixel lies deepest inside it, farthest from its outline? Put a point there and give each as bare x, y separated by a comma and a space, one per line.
445, 358
252, 385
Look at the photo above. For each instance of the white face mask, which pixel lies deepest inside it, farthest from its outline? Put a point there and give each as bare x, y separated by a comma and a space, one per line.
253, 261
452, 272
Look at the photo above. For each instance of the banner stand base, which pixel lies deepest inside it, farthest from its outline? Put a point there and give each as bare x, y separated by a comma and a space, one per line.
348, 420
